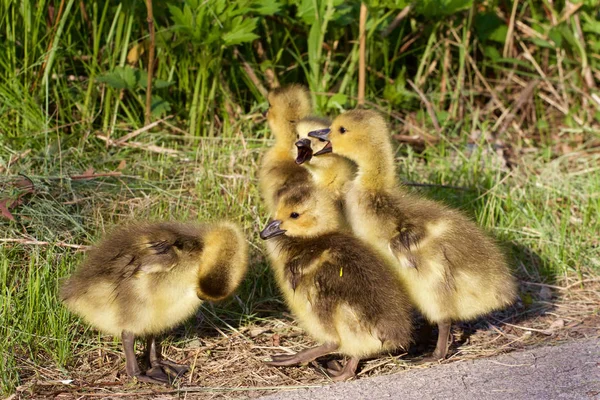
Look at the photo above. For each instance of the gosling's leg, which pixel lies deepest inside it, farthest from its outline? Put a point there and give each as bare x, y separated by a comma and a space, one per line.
304, 356
441, 349
349, 370
131, 365
160, 366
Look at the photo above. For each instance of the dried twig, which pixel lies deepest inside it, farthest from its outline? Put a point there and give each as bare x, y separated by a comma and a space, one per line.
509, 113
508, 44
250, 72
137, 145
94, 175
150, 62
42, 243
143, 129
362, 49
401, 15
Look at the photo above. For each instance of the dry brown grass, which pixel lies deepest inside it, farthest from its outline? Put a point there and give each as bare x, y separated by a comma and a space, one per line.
229, 363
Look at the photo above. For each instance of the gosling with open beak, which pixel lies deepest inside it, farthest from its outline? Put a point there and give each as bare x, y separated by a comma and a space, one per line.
305, 152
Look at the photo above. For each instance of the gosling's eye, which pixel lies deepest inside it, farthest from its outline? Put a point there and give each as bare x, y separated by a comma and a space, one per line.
342, 130
297, 136
294, 215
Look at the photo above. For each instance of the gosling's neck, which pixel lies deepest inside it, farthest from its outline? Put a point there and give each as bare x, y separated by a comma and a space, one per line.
285, 139
332, 172
376, 169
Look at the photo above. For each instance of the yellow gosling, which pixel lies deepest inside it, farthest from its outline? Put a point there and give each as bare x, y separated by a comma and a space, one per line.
452, 270
341, 292
145, 278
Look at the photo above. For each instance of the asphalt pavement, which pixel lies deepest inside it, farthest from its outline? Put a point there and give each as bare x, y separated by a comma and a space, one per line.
569, 370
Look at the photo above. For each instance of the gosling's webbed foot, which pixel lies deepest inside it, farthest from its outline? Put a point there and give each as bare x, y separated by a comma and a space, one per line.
430, 359
172, 369
334, 365
154, 375
345, 373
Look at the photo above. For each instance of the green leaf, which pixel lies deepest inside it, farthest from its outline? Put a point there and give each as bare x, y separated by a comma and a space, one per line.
591, 26
392, 4
542, 43
337, 101
441, 8
314, 41
156, 83
266, 7
159, 106
492, 53
568, 35
489, 26
121, 78
306, 12
556, 37
242, 31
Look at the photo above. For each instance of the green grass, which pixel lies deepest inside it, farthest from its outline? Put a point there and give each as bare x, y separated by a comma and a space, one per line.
62, 91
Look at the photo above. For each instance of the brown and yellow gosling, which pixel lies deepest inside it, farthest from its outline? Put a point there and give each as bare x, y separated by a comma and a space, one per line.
341, 292
145, 278
452, 270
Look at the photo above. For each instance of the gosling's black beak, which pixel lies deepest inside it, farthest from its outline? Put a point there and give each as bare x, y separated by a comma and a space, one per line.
321, 134
272, 230
304, 151
265, 113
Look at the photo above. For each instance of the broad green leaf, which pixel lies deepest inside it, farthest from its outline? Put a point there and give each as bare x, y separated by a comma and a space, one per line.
492, 53
337, 101
266, 7
556, 37
486, 24
121, 78
159, 106
242, 31
441, 8
156, 83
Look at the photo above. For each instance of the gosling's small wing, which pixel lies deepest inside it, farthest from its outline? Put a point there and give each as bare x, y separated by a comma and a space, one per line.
408, 231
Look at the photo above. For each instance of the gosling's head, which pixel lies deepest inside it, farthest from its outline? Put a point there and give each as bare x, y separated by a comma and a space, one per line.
224, 261
303, 212
157, 247
306, 146
287, 106
355, 134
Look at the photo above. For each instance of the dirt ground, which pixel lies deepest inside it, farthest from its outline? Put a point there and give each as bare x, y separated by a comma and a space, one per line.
229, 363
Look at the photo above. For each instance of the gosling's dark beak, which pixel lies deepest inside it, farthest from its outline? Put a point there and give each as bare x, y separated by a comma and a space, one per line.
322, 135
272, 230
265, 113
304, 151
324, 150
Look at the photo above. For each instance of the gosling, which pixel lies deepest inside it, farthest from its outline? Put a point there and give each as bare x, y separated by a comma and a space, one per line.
452, 270
278, 171
146, 278
342, 293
